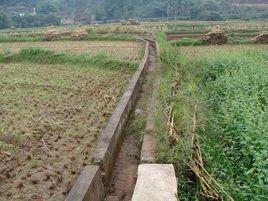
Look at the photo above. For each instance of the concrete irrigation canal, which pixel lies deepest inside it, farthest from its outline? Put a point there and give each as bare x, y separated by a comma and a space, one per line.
122, 169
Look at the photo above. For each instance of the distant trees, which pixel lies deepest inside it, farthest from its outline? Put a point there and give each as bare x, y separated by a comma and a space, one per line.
39, 20
104, 10
3, 20
46, 8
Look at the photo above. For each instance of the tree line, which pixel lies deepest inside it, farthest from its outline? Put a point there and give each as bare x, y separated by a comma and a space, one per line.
19, 12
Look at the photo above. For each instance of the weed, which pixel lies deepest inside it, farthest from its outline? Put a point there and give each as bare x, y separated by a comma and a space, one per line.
231, 91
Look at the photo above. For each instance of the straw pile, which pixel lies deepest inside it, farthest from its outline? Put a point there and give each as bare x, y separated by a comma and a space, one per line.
79, 34
262, 38
51, 34
216, 36
130, 22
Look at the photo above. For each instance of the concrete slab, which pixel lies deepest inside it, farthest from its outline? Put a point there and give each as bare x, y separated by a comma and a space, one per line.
88, 186
156, 182
148, 149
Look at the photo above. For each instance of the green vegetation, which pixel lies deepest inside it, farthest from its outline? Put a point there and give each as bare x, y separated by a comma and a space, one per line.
89, 37
239, 41
14, 38
37, 55
3, 20
188, 42
198, 42
38, 20
21, 13
230, 91
110, 37
235, 138
174, 83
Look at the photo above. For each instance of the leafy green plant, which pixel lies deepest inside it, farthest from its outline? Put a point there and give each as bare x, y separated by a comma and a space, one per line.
231, 90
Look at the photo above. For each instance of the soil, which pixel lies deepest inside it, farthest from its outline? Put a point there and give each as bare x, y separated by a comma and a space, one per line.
51, 117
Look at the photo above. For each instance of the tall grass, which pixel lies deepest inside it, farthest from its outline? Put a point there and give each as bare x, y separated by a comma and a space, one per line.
37, 55
188, 42
10, 38
111, 37
175, 74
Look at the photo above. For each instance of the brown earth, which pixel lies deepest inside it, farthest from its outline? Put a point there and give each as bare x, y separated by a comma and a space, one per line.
51, 117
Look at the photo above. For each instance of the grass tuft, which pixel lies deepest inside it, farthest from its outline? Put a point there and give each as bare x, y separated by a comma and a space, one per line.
37, 55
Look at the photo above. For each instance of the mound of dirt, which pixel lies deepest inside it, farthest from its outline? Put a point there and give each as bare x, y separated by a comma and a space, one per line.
217, 36
79, 34
51, 34
262, 38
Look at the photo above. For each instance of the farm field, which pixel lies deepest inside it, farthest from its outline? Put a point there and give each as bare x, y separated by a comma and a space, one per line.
210, 121
199, 52
125, 50
51, 117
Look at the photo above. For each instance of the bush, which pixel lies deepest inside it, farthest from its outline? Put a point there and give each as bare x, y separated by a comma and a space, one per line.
231, 90
211, 16
236, 89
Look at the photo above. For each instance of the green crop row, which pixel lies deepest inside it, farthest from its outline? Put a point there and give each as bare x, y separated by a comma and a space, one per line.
37, 55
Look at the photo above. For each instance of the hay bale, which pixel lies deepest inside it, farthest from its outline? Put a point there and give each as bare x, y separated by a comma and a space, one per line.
130, 22
262, 38
216, 36
79, 34
123, 22
96, 25
51, 34
133, 22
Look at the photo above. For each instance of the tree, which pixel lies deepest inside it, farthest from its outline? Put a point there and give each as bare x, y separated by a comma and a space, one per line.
46, 8
3, 20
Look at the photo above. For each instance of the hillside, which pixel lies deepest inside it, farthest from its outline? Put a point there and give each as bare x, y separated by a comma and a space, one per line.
27, 13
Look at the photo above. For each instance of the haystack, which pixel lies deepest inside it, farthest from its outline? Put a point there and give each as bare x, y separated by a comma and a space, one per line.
51, 34
262, 38
130, 22
79, 34
133, 22
216, 36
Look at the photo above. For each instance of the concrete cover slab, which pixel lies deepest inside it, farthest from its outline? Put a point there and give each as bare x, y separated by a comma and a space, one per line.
156, 182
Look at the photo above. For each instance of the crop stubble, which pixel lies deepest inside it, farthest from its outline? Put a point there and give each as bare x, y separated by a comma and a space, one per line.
51, 117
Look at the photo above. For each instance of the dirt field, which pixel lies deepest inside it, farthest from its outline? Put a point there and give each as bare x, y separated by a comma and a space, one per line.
201, 51
119, 49
51, 117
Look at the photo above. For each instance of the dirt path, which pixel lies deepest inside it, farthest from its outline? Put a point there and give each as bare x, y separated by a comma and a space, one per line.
125, 170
